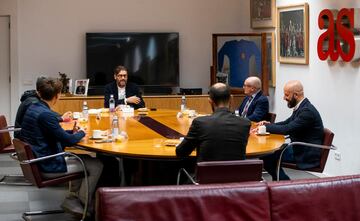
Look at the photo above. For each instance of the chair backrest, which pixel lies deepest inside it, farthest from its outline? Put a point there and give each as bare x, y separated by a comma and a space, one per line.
229, 171
327, 141
5, 139
31, 171
270, 117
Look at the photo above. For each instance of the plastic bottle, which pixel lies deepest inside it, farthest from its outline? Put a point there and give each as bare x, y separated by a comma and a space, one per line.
115, 127
183, 103
85, 110
112, 103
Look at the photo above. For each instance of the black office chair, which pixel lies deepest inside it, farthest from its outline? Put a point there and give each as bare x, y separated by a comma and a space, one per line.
270, 117
325, 147
225, 171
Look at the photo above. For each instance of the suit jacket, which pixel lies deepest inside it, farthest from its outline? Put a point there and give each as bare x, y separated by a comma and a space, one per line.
220, 136
304, 125
258, 108
131, 89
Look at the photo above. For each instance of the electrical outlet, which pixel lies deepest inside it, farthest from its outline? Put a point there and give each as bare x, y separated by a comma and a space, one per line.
337, 155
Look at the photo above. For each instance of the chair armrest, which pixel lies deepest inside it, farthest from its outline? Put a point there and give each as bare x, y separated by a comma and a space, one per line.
331, 147
9, 129
188, 176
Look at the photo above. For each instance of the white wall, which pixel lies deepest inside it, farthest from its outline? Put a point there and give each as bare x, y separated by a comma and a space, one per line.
332, 88
52, 33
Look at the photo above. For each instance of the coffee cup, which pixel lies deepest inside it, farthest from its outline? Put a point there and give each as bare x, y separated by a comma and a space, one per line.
76, 115
262, 129
96, 134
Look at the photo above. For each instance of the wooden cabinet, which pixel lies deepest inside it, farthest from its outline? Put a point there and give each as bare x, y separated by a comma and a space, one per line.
199, 103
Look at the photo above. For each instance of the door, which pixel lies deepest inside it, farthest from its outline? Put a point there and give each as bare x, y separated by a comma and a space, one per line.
5, 67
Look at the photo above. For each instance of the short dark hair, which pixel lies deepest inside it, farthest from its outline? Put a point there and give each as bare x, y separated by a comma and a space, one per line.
119, 68
219, 93
48, 88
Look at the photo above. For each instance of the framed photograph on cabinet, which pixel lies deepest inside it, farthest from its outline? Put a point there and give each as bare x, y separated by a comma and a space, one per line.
81, 87
293, 34
237, 56
262, 13
271, 61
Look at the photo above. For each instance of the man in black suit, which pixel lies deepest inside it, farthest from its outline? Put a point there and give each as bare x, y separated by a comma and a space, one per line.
255, 106
220, 136
304, 125
124, 92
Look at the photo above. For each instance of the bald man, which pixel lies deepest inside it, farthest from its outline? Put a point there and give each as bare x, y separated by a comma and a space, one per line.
220, 136
304, 125
255, 106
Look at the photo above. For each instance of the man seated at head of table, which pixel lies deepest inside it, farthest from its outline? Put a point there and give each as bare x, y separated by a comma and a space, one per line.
255, 106
304, 125
124, 92
41, 129
220, 136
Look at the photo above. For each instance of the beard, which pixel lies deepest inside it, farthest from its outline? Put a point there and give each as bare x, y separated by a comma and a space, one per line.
292, 102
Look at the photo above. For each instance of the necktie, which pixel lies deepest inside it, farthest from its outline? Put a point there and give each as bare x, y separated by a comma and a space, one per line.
243, 114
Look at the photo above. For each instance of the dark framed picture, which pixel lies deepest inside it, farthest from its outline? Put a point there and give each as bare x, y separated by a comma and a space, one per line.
237, 56
262, 13
293, 34
81, 87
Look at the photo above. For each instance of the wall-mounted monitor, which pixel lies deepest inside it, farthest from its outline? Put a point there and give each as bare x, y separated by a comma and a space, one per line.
152, 59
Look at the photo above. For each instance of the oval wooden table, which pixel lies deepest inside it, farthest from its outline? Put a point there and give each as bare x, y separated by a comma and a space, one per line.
148, 135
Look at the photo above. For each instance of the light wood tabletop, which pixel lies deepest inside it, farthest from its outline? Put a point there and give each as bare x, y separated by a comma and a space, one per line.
149, 135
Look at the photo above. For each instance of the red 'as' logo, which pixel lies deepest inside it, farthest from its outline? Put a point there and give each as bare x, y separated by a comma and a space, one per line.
338, 39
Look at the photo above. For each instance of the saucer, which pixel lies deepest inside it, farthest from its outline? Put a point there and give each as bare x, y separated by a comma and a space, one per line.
265, 134
96, 138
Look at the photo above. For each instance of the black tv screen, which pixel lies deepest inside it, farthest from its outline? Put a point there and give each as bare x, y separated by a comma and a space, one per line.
152, 59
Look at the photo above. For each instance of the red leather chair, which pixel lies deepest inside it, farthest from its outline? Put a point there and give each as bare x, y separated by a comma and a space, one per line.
226, 171
325, 148
5, 139
32, 173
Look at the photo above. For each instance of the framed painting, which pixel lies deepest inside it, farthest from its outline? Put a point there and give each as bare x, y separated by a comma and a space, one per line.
271, 61
81, 87
293, 34
262, 13
237, 56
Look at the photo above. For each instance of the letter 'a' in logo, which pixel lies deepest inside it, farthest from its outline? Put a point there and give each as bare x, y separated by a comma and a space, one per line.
338, 39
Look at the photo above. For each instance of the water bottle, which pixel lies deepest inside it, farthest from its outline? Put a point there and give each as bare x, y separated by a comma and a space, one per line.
85, 110
112, 103
115, 127
183, 103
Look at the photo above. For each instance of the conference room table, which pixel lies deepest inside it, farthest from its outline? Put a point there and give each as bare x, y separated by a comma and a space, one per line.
148, 153
153, 135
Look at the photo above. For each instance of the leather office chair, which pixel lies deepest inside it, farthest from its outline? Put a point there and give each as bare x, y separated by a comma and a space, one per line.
270, 117
32, 173
325, 148
226, 171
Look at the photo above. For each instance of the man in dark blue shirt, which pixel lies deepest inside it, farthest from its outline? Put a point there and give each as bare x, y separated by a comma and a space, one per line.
41, 129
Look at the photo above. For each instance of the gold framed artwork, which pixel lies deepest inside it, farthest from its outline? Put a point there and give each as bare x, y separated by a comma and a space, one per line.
237, 56
271, 61
262, 13
293, 34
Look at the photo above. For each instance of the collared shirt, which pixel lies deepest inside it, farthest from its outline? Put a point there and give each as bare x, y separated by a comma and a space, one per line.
121, 93
298, 104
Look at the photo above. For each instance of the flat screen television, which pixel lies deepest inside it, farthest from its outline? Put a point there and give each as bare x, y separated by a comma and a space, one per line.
152, 59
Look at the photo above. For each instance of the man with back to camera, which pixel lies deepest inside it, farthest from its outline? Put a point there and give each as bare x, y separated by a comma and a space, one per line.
220, 136
304, 125
124, 92
255, 106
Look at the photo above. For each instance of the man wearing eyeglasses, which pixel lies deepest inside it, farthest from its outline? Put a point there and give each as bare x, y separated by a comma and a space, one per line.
124, 92
255, 106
